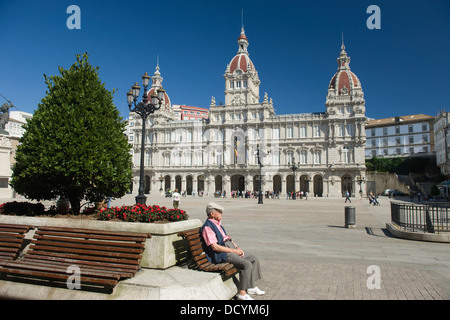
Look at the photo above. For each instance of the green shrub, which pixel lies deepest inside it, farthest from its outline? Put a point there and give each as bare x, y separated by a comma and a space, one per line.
22, 208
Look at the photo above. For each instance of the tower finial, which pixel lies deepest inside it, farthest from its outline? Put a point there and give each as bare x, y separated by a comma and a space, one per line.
342, 45
242, 19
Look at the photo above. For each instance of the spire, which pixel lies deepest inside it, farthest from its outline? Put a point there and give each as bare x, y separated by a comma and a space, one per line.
343, 60
157, 79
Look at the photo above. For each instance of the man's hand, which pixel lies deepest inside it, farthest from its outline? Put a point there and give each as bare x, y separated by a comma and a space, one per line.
239, 252
218, 248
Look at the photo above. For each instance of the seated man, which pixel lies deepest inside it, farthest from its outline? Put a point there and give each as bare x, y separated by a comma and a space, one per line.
220, 248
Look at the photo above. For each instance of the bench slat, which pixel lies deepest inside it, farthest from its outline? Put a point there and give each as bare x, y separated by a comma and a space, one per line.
59, 237
59, 269
97, 232
83, 251
6, 245
12, 237
74, 255
123, 272
85, 244
56, 276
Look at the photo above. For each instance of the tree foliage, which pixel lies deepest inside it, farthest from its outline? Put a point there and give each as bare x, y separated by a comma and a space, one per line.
74, 146
398, 165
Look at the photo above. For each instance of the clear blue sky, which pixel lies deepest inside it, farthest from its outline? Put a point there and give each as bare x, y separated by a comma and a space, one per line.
404, 67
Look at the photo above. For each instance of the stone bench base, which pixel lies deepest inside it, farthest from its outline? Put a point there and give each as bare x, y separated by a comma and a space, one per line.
174, 283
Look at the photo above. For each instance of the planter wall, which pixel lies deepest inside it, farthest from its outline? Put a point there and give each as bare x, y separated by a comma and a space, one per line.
163, 250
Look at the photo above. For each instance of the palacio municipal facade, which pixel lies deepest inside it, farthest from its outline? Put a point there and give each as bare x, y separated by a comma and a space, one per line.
244, 137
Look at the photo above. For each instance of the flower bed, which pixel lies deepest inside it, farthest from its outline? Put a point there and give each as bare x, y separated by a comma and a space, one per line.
134, 213
142, 213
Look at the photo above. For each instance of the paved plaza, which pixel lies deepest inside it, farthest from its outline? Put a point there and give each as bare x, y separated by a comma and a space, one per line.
307, 253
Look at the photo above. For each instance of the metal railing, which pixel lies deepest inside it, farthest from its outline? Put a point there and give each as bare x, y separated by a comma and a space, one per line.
427, 217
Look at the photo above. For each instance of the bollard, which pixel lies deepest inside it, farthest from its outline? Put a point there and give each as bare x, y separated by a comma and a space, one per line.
350, 217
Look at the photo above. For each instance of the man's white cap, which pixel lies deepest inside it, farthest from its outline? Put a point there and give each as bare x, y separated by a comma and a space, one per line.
212, 205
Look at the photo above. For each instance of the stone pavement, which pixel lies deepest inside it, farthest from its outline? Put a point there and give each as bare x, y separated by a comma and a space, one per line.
307, 253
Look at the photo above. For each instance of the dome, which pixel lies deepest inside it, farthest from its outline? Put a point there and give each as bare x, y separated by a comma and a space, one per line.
344, 81
241, 61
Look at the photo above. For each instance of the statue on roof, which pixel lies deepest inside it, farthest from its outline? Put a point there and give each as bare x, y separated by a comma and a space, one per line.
4, 117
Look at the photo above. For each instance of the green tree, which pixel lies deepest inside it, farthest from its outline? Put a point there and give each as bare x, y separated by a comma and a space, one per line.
435, 190
74, 146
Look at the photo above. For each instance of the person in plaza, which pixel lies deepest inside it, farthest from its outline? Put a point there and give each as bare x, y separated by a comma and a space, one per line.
373, 199
347, 197
220, 248
176, 198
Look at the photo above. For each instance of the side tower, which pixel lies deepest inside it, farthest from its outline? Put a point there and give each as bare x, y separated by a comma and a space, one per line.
344, 90
241, 78
345, 109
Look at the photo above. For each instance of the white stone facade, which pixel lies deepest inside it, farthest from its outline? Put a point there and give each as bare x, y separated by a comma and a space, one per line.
221, 153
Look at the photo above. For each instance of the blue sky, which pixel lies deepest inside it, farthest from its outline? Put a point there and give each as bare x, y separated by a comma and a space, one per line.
404, 67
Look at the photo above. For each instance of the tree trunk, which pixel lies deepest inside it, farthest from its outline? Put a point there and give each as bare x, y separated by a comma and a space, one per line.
75, 203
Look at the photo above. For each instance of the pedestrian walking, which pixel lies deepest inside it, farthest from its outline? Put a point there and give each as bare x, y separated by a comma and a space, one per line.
348, 197
176, 199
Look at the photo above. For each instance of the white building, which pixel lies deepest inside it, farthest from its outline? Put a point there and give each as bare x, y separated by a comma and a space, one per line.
221, 153
17, 119
8, 146
400, 136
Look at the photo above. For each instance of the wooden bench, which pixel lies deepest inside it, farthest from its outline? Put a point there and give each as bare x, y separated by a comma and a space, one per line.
103, 257
12, 238
199, 256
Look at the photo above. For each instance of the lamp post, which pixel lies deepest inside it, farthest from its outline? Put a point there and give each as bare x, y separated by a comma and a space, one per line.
161, 179
260, 195
293, 168
144, 108
360, 180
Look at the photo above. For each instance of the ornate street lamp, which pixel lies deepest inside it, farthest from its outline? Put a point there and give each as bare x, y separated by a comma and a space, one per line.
161, 179
260, 154
260, 195
360, 180
293, 168
144, 108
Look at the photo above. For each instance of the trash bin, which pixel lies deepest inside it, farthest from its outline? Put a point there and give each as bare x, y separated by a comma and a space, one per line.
350, 217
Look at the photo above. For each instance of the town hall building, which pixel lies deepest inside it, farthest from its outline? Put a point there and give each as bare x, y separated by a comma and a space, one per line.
244, 139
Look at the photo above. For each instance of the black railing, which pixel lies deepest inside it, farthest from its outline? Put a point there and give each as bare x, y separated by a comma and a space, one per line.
427, 217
